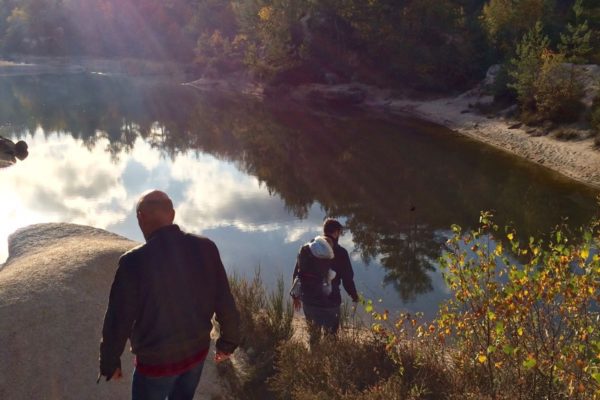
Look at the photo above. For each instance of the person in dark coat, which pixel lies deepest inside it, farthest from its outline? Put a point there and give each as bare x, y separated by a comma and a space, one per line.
321, 266
163, 297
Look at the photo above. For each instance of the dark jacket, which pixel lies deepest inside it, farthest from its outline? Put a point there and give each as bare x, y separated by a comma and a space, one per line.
344, 275
163, 297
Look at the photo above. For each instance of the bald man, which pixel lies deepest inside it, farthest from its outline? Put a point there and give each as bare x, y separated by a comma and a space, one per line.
164, 295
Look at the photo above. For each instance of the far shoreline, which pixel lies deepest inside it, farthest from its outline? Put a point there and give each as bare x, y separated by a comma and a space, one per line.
577, 160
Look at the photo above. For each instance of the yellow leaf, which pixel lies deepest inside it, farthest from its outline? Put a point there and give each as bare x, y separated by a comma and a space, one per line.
510, 236
498, 249
584, 253
520, 331
482, 358
265, 13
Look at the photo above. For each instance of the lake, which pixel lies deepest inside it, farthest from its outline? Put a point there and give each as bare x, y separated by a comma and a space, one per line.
259, 178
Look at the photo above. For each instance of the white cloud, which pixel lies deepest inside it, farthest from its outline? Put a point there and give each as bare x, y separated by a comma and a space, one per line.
62, 180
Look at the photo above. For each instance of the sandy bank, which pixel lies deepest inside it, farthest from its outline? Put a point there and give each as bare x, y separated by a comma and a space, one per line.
575, 159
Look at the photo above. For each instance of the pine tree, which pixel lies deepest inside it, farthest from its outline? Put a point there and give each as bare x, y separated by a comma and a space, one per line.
575, 43
526, 65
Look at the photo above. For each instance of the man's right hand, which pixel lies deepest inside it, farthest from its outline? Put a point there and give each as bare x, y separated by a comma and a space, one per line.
297, 303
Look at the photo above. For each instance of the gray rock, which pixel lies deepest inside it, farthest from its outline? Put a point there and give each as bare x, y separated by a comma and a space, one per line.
53, 294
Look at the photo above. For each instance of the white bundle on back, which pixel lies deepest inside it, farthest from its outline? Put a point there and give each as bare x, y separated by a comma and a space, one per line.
320, 248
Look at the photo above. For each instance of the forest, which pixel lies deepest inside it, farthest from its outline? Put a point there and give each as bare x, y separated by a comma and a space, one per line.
439, 45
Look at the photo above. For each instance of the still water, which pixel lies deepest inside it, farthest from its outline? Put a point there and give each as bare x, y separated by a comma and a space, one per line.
259, 178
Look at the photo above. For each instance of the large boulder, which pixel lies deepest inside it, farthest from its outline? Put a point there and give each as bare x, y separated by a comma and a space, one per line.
53, 294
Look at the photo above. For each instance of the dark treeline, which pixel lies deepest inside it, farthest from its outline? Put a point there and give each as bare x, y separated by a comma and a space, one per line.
429, 44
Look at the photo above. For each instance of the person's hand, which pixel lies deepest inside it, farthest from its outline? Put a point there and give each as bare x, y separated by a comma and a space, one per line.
297, 304
117, 375
220, 356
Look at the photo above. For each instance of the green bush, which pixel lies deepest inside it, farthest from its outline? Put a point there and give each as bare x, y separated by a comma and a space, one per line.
557, 93
546, 87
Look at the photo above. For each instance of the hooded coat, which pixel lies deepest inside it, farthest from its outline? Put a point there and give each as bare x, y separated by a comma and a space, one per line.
321, 268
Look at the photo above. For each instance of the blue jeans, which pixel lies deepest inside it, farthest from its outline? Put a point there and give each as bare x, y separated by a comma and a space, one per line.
176, 387
326, 319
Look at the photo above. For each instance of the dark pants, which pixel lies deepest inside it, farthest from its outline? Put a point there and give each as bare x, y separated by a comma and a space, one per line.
321, 319
176, 387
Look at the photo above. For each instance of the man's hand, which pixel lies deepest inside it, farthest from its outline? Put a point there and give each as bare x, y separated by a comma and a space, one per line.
220, 357
297, 304
117, 375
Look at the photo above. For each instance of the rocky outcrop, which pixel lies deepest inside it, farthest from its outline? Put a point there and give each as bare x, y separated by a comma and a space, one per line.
53, 293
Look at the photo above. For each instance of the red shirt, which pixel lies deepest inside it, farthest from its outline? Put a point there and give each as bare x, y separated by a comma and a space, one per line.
156, 371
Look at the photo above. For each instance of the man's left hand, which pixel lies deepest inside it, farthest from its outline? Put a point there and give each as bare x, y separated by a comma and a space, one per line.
117, 375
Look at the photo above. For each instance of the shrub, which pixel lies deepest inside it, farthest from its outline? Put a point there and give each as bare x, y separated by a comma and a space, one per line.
557, 93
530, 330
526, 65
391, 362
547, 89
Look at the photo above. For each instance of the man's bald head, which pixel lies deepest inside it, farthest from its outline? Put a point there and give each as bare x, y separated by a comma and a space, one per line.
154, 210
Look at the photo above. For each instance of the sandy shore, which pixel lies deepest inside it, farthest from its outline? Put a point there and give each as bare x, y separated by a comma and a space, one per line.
575, 159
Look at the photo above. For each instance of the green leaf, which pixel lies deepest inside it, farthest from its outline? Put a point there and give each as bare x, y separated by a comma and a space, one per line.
500, 328
529, 363
508, 349
596, 377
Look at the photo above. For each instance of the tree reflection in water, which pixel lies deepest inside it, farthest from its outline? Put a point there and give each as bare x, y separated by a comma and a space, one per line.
363, 169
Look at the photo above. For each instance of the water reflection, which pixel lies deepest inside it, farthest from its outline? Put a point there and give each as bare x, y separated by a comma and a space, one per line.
259, 179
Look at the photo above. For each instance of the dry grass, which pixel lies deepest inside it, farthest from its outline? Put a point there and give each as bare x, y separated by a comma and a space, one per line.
266, 321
